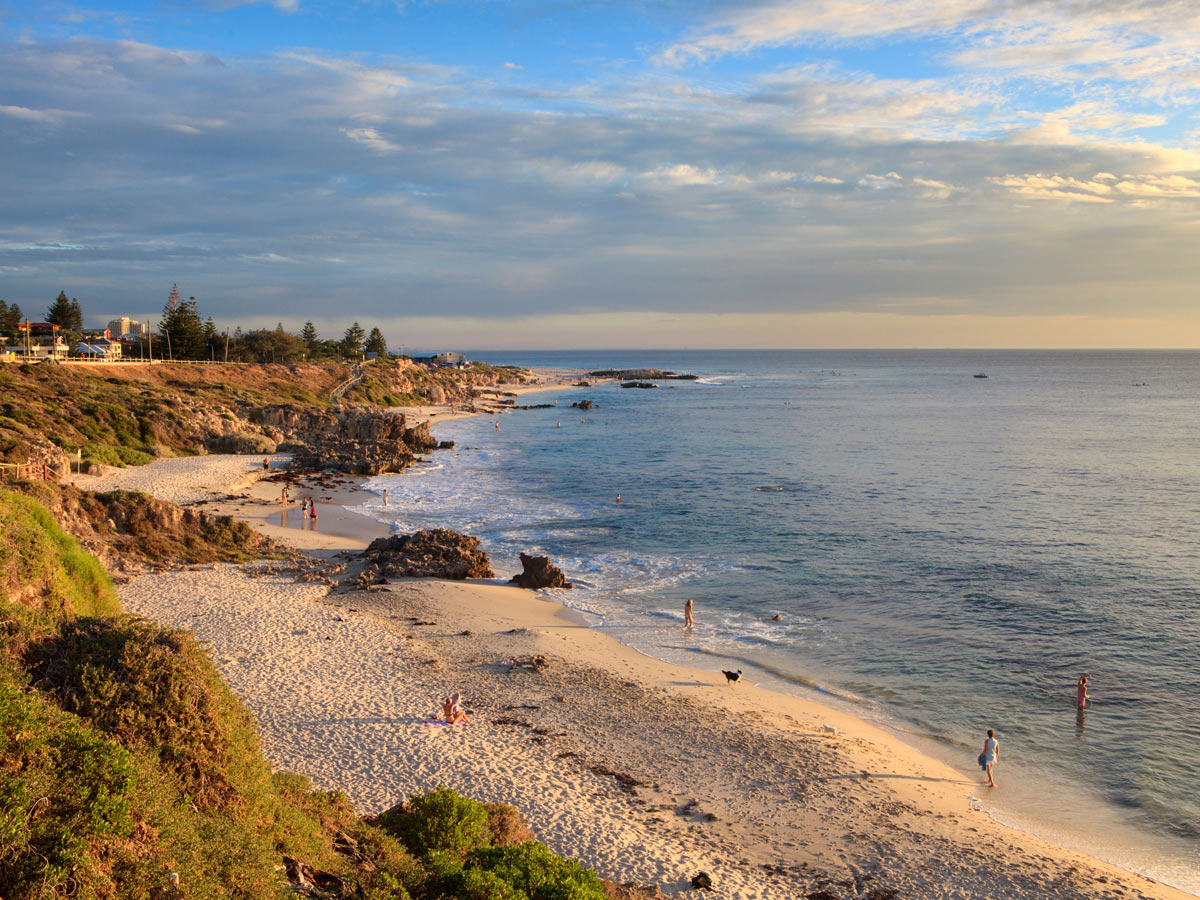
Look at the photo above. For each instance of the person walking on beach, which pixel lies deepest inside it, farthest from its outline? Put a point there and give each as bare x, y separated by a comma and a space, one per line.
991, 752
1081, 694
385, 496
687, 614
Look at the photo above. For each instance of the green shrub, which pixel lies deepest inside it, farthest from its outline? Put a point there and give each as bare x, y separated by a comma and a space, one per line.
62, 789
441, 822
480, 884
539, 874
109, 455
154, 688
44, 569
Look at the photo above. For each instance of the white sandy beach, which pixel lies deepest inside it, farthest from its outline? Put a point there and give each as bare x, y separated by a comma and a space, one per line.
605, 751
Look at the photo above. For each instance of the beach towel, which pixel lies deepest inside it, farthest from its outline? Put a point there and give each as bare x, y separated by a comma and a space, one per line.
442, 724
982, 762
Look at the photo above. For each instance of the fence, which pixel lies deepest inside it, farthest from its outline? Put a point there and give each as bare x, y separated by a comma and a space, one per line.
25, 471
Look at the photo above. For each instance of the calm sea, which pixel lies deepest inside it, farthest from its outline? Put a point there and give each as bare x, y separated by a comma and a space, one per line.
947, 553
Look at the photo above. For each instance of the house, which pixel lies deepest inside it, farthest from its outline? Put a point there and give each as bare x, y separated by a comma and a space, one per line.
102, 349
38, 352
447, 359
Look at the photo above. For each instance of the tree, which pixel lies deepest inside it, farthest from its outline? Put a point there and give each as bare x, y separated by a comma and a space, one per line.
10, 316
311, 339
59, 312
352, 340
267, 346
76, 318
375, 343
211, 338
181, 327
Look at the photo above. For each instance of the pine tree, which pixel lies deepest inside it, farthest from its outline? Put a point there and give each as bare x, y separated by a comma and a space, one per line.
76, 318
59, 312
311, 339
376, 343
181, 328
211, 338
352, 340
11, 318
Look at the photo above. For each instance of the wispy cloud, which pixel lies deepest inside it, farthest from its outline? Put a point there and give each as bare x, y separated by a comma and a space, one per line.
307, 181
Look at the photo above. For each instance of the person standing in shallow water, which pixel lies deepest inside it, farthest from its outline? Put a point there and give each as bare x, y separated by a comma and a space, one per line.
1081, 694
687, 614
991, 752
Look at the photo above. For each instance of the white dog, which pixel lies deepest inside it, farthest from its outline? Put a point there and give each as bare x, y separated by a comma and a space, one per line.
829, 729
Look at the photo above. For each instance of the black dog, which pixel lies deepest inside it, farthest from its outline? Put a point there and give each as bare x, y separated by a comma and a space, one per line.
731, 677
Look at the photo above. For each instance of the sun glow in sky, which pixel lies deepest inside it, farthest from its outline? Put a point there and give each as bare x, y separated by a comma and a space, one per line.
538, 173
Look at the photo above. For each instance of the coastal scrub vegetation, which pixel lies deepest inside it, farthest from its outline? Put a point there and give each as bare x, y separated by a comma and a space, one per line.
124, 757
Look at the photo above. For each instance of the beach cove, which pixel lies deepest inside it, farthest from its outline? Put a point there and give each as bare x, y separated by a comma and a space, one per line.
341, 684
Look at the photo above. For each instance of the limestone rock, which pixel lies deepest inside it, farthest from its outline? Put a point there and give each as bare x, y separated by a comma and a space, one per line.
239, 442
436, 553
539, 573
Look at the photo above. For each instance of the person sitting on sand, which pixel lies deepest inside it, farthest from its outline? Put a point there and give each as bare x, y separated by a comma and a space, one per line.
452, 710
1081, 694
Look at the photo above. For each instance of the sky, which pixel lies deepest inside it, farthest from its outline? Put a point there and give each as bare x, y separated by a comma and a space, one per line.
612, 173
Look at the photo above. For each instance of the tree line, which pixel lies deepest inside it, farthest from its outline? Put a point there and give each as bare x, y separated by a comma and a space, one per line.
182, 334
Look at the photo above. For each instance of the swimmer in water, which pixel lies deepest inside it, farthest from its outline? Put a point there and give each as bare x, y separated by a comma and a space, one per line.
618, 498
1081, 694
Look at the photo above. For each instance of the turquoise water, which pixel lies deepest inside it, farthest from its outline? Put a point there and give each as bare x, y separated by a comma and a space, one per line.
946, 553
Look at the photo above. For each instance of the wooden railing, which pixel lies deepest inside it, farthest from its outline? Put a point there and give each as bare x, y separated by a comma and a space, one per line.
24, 471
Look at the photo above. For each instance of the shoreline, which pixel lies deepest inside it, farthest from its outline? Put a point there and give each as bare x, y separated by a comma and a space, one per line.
940, 796
1119, 842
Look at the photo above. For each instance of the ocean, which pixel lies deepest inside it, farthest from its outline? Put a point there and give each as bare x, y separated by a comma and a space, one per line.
946, 553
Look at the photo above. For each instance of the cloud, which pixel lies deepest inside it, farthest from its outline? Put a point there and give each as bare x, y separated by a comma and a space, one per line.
303, 183
1104, 187
371, 139
513, 65
284, 6
47, 116
745, 27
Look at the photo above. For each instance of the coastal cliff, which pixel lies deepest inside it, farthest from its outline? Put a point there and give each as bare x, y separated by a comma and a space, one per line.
129, 415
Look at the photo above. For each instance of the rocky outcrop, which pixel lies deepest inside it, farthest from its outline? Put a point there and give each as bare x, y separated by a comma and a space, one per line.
638, 384
583, 404
47, 460
437, 553
356, 440
643, 375
538, 572
129, 531
239, 442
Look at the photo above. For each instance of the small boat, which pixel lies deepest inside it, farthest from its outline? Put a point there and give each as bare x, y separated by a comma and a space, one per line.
981, 375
